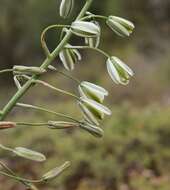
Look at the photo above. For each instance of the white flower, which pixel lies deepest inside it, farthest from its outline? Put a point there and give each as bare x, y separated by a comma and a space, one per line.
66, 8
92, 110
120, 26
69, 57
85, 29
94, 41
90, 90
119, 71
88, 115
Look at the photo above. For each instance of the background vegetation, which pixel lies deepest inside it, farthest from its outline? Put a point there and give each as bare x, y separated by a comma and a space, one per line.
134, 153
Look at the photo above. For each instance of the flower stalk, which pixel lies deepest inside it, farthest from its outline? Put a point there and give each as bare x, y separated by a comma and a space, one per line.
92, 48
90, 98
12, 102
38, 108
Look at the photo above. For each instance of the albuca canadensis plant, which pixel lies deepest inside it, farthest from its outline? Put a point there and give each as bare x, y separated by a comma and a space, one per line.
89, 97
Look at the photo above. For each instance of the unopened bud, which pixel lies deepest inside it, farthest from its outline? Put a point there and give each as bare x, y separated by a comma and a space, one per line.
28, 70
7, 125
56, 171
29, 154
61, 124
66, 8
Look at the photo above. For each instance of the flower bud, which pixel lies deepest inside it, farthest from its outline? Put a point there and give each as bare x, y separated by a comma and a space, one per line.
120, 26
119, 72
56, 171
7, 125
61, 124
69, 57
92, 91
29, 154
66, 8
92, 129
85, 29
28, 70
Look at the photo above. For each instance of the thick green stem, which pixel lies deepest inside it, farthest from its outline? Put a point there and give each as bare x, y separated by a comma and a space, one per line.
20, 93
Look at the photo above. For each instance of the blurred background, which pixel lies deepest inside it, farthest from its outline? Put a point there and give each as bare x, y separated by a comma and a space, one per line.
135, 151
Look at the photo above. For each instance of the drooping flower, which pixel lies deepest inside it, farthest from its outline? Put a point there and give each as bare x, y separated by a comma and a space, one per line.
85, 29
92, 110
92, 91
94, 42
120, 26
119, 72
69, 57
66, 8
